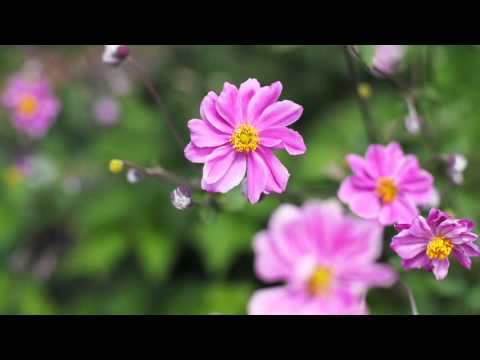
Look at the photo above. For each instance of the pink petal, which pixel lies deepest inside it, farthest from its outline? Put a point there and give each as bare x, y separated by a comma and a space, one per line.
377, 158
263, 98
277, 174
228, 105
440, 268
418, 262
205, 135
371, 275
196, 154
408, 247
292, 141
270, 266
365, 204
469, 249
218, 163
232, 178
416, 181
361, 168
247, 90
256, 177
276, 301
462, 258
279, 114
209, 113
401, 210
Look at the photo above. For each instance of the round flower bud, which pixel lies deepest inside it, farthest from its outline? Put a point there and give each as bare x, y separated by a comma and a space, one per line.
181, 198
115, 54
116, 166
134, 176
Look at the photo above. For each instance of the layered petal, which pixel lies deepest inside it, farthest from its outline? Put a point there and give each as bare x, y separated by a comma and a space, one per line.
232, 178
257, 176
290, 140
276, 301
278, 115
205, 135
196, 154
277, 174
262, 99
228, 105
218, 164
208, 110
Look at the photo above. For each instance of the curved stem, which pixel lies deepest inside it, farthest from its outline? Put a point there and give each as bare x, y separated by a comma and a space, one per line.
363, 104
158, 99
411, 299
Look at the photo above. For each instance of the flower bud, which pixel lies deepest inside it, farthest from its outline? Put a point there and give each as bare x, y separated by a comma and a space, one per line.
134, 176
413, 122
116, 166
387, 58
181, 198
456, 166
115, 54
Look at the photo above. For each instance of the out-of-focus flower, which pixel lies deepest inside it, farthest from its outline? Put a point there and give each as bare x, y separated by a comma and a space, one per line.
107, 111
433, 202
115, 54
387, 58
239, 131
456, 166
386, 185
327, 259
181, 198
427, 244
32, 105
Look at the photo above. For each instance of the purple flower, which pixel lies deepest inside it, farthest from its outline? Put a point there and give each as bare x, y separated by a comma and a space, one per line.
326, 259
386, 185
33, 106
239, 131
387, 58
427, 244
106, 111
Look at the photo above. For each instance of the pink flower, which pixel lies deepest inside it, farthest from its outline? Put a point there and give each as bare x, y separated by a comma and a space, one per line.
386, 185
239, 131
387, 58
327, 260
106, 111
428, 243
32, 105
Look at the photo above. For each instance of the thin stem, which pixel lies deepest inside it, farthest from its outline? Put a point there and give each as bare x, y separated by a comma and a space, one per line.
411, 299
161, 173
158, 99
363, 104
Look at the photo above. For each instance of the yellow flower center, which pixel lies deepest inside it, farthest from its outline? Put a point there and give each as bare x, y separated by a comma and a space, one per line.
320, 282
386, 190
28, 105
245, 138
439, 248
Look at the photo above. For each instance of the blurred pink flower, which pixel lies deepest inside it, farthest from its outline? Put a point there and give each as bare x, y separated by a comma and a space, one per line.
239, 131
387, 58
107, 111
428, 243
386, 185
33, 106
327, 259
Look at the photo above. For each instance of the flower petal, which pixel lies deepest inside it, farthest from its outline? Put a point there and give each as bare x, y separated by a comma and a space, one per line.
232, 178
256, 177
263, 98
196, 154
277, 175
270, 266
291, 140
440, 268
205, 135
209, 113
279, 114
228, 105
276, 301
462, 258
365, 204
246, 92
218, 163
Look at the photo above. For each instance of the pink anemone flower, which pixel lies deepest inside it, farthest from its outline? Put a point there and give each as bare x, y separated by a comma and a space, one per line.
326, 259
237, 135
428, 243
386, 185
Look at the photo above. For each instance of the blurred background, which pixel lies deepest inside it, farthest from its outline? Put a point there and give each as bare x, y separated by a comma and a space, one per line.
76, 239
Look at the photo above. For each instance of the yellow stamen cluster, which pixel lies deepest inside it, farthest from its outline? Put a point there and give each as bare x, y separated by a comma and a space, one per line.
116, 166
439, 248
320, 282
245, 139
387, 190
28, 105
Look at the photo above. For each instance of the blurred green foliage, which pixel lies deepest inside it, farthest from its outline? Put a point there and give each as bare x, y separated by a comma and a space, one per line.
118, 248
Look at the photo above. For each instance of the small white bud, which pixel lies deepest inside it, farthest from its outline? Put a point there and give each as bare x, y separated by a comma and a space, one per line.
115, 54
181, 198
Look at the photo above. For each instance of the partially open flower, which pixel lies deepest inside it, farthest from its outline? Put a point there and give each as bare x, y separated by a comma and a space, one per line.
456, 166
181, 198
428, 243
115, 54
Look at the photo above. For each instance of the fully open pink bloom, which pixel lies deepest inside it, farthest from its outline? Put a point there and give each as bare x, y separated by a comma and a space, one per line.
386, 185
32, 105
428, 243
237, 135
327, 259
